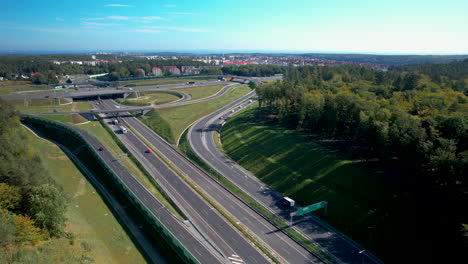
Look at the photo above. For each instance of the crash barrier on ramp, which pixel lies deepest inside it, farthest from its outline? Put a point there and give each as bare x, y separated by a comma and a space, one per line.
63, 132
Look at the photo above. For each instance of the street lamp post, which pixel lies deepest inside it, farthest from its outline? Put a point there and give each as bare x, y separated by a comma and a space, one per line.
363, 255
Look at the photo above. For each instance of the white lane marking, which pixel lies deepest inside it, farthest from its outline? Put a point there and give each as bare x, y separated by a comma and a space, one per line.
234, 262
235, 256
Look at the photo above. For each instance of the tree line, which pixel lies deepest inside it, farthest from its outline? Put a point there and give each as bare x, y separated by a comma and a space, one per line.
418, 118
48, 71
32, 205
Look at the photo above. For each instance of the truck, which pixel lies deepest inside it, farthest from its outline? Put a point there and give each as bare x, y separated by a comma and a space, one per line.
288, 202
123, 130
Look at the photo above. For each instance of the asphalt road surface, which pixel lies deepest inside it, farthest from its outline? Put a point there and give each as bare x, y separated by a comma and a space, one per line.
215, 228
283, 245
342, 248
195, 245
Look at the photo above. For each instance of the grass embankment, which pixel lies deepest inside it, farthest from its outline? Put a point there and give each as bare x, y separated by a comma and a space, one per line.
149, 98
184, 147
201, 92
171, 122
99, 234
164, 81
308, 171
48, 105
6, 89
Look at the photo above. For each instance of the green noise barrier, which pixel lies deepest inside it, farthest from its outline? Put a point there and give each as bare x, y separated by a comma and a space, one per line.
64, 132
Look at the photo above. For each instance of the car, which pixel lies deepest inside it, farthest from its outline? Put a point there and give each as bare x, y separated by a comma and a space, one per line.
148, 151
101, 148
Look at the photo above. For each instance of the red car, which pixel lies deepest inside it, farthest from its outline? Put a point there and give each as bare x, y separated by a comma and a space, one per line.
148, 151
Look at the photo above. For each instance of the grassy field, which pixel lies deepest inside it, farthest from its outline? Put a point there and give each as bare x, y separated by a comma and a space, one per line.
201, 92
48, 105
164, 81
149, 98
305, 169
178, 118
99, 234
7, 88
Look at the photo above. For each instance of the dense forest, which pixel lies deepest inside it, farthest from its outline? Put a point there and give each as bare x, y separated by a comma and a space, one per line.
254, 70
388, 59
417, 114
32, 205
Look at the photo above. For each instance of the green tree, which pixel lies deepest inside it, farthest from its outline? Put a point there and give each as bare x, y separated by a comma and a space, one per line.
9, 196
252, 85
27, 232
7, 228
40, 79
47, 207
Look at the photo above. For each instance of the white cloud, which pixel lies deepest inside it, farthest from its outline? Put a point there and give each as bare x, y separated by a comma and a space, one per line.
148, 31
179, 28
180, 13
59, 19
138, 19
118, 5
118, 17
152, 18
99, 24
169, 5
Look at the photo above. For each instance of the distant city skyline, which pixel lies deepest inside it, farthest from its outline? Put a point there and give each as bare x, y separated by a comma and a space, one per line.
294, 26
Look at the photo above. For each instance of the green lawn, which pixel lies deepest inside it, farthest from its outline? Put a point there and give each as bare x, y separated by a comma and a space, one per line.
149, 98
11, 89
177, 119
48, 105
98, 232
306, 170
201, 92
164, 81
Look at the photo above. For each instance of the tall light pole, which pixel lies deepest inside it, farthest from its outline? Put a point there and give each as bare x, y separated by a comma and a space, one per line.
363, 255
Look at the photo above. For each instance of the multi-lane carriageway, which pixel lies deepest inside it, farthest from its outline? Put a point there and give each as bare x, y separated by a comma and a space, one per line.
283, 246
217, 230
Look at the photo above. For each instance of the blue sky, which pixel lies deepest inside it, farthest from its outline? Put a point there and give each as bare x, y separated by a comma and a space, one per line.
358, 26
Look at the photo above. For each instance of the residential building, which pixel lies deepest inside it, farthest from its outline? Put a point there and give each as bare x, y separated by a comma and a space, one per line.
190, 70
141, 70
156, 71
173, 70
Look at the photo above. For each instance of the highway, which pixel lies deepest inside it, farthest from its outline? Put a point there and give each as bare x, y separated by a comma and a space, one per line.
201, 214
95, 92
312, 228
199, 248
283, 245
184, 100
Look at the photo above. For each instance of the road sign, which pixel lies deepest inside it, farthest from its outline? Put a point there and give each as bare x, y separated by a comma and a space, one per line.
312, 207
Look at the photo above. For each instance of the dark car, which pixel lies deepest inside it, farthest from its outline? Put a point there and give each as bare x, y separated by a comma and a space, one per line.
101, 148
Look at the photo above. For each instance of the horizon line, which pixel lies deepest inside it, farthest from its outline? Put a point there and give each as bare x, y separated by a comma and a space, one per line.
217, 51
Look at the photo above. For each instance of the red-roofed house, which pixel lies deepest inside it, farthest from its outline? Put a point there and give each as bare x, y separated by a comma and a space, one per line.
174, 70
156, 71
140, 70
34, 74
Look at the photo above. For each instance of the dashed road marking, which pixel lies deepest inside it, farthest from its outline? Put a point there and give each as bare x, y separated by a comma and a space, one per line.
235, 259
